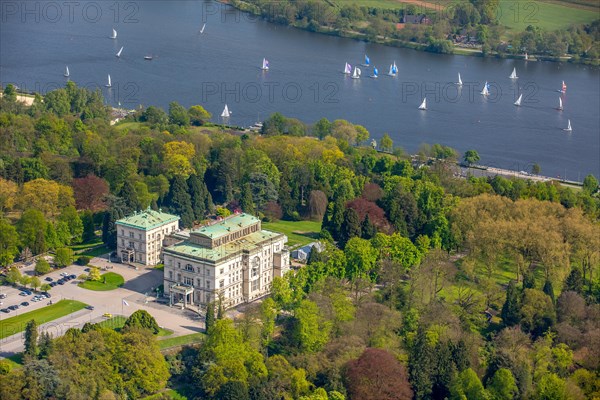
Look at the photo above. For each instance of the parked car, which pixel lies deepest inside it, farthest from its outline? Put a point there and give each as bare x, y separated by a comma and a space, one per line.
73, 276
22, 294
107, 315
13, 307
89, 307
61, 282
52, 284
2, 295
48, 279
24, 304
46, 294
28, 292
5, 310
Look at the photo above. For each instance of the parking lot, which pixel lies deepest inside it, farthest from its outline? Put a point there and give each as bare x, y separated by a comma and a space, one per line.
138, 292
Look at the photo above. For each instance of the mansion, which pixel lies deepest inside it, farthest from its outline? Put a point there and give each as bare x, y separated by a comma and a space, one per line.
233, 259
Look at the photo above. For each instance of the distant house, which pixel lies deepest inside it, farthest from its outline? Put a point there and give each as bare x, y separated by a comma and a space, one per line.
302, 253
416, 19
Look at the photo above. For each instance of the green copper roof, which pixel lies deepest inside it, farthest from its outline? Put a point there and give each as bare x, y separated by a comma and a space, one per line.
195, 251
147, 219
226, 226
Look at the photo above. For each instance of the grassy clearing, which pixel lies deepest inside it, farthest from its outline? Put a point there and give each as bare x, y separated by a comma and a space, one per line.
97, 251
15, 361
129, 125
174, 395
550, 16
108, 281
118, 322
298, 232
13, 325
89, 244
181, 340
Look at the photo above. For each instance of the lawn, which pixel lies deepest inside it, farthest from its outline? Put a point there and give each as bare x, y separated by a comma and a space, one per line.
298, 232
108, 281
181, 340
117, 322
174, 395
519, 14
97, 251
84, 246
13, 325
15, 361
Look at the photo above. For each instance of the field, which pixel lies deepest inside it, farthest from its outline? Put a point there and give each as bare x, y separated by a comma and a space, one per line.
519, 14
181, 340
108, 281
13, 325
298, 232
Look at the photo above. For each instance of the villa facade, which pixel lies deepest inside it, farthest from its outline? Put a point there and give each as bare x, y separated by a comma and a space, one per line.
233, 259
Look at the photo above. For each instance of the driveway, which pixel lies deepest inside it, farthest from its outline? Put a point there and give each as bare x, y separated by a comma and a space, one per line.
137, 293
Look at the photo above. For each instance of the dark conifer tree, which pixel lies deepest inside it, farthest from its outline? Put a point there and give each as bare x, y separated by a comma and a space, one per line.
528, 280
445, 371
31, 339
246, 200
198, 197
368, 230
350, 226
421, 366
130, 198
510, 310
574, 281
549, 290
336, 219
209, 319
180, 202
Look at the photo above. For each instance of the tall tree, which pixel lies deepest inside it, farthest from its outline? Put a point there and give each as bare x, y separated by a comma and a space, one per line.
9, 241
31, 339
502, 385
246, 199
574, 281
130, 199
32, 228
142, 319
350, 226
421, 365
368, 230
90, 193
510, 310
209, 319
180, 202
198, 196
549, 290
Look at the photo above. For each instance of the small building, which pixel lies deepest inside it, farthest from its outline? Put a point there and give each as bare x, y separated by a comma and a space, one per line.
233, 259
140, 236
302, 253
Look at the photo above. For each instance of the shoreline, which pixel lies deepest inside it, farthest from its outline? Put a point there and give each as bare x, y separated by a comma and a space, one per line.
456, 50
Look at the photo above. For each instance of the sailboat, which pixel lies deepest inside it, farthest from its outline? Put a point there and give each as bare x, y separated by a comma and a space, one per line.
526, 57
514, 74
486, 89
114, 34
563, 88
423, 105
119, 52
265, 64
375, 73
347, 69
393, 69
560, 105
67, 73
202, 30
226, 113
518, 102
356, 73
109, 84
459, 83
367, 61
568, 128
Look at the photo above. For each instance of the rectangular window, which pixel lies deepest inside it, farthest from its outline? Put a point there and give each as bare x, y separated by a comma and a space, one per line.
130, 234
122, 234
189, 267
170, 274
140, 236
222, 283
255, 285
208, 285
221, 271
188, 281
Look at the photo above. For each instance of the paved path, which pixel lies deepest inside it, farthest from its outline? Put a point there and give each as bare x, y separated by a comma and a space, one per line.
138, 293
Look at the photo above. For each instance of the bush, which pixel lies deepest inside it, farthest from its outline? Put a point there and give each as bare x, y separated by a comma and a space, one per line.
83, 260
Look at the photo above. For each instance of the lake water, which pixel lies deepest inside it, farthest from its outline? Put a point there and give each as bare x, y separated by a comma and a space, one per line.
222, 66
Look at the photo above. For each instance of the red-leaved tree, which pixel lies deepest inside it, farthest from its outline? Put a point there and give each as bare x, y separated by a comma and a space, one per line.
377, 375
376, 214
90, 193
372, 192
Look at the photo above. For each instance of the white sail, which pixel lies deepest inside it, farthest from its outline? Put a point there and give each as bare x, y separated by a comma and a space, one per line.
114, 34
347, 69
67, 73
265, 65
568, 128
356, 74
202, 30
109, 84
518, 102
514, 74
423, 105
226, 113
459, 83
486, 90
120, 51
560, 105
526, 57
563, 88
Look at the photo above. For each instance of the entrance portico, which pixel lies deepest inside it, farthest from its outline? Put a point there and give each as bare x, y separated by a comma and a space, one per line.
178, 293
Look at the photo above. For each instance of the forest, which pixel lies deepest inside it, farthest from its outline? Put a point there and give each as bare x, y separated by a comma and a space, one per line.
449, 23
429, 286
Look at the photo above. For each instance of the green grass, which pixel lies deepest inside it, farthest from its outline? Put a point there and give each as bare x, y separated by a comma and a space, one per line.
519, 14
96, 252
298, 232
113, 281
174, 395
181, 340
117, 323
129, 125
13, 325
15, 361
84, 246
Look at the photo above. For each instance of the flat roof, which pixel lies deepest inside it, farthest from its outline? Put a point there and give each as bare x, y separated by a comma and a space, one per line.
147, 219
226, 226
196, 251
